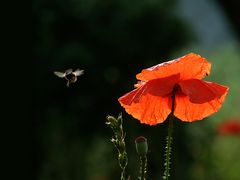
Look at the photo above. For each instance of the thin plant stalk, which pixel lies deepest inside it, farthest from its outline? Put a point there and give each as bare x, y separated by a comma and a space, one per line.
143, 168
169, 139
119, 142
168, 148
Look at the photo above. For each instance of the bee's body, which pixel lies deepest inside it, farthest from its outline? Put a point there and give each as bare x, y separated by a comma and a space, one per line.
69, 75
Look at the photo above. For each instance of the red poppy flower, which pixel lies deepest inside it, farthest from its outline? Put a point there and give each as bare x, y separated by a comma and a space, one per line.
152, 100
230, 127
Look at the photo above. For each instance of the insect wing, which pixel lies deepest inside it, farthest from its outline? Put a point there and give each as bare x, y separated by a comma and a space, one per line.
78, 72
59, 74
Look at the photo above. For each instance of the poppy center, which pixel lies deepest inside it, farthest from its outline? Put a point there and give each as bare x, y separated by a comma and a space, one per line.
176, 89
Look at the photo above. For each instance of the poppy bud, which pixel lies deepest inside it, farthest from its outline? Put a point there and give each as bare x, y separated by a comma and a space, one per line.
141, 146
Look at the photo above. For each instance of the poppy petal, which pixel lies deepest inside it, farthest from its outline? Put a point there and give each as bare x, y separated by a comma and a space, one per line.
190, 66
201, 91
188, 111
150, 103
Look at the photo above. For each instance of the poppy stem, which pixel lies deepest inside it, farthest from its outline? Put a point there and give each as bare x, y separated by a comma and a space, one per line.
143, 167
168, 148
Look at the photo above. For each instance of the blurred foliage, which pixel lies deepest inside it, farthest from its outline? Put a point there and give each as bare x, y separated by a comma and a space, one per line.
112, 40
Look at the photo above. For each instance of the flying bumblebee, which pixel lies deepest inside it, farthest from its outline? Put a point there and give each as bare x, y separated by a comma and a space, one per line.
69, 75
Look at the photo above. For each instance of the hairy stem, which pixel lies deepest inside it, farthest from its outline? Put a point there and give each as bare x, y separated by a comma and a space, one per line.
143, 168
168, 148
140, 168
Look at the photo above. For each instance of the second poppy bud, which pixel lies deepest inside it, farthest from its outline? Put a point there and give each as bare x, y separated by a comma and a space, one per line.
141, 146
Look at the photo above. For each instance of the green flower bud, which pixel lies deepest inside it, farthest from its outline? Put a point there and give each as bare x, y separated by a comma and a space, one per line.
112, 121
141, 146
119, 119
121, 146
123, 160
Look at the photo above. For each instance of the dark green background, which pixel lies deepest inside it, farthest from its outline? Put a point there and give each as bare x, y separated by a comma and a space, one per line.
112, 40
